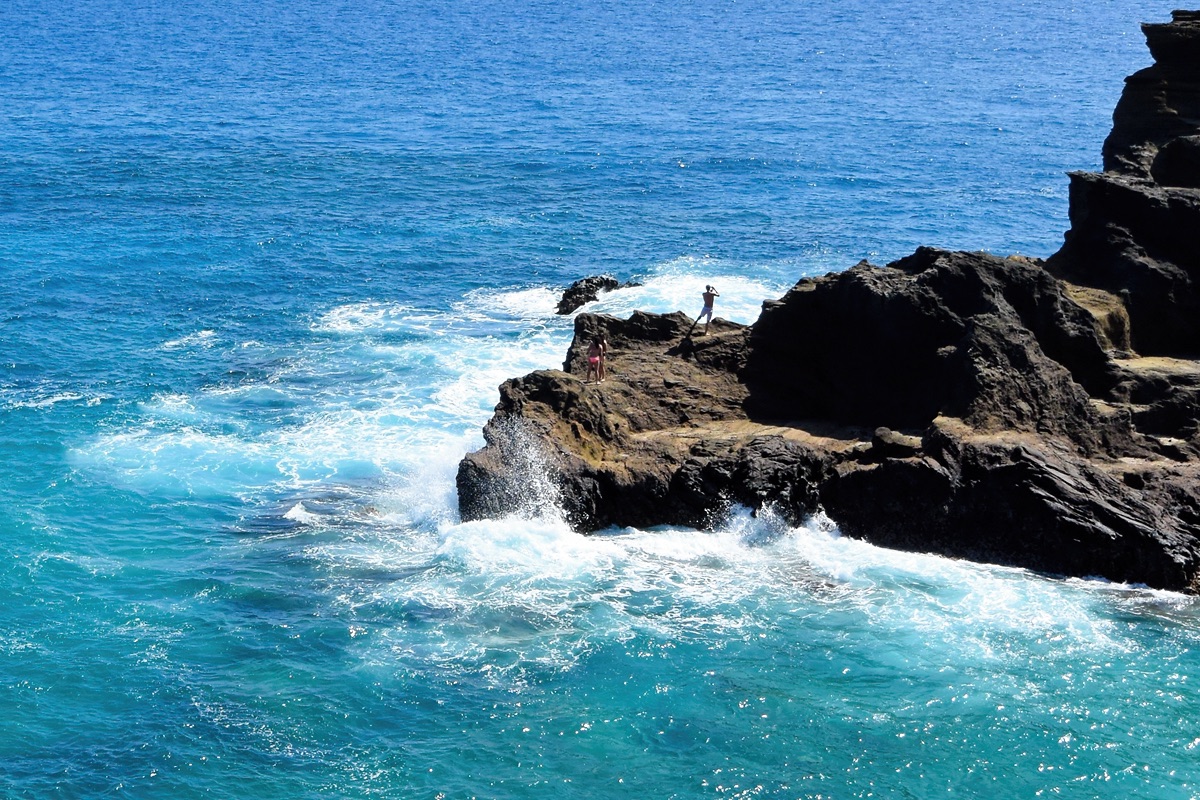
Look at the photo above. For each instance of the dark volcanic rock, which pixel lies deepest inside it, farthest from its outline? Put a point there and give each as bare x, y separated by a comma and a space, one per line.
585, 290
1039, 415
1017, 502
1133, 228
1136, 239
934, 333
1006, 459
1178, 163
1160, 103
613, 449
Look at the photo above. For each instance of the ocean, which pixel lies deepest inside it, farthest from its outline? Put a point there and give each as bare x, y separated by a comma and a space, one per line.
264, 266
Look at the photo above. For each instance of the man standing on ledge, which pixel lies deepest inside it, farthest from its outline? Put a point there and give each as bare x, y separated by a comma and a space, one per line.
710, 294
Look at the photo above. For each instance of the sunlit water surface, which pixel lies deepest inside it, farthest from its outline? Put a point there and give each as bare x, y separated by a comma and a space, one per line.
264, 266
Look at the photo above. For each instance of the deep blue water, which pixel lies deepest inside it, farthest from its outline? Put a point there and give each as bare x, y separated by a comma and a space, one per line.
262, 268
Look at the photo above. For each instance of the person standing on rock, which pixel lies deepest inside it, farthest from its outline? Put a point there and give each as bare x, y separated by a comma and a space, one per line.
710, 294
595, 358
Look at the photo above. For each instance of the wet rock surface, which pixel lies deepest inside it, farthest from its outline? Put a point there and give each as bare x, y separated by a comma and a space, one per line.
1043, 415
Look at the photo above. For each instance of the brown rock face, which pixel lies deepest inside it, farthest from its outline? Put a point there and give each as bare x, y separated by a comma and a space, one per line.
957, 403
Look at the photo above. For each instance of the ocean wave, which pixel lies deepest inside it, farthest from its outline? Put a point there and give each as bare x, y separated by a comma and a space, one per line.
363, 316
676, 285
47, 397
46, 401
506, 595
299, 514
517, 305
204, 339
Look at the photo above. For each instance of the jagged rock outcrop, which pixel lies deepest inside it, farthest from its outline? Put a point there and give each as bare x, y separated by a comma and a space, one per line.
898, 346
586, 290
1160, 106
1044, 415
1134, 226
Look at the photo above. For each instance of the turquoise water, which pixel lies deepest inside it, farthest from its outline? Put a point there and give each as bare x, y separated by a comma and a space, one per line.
264, 266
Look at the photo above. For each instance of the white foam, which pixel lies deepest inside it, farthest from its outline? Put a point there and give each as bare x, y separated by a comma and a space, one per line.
46, 397
424, 497
364, 316
204, 338
172, 407
529, 548
972, 604
527, 305
340, 410
676, 583
216, 442
298, 513
677, 285
47, 401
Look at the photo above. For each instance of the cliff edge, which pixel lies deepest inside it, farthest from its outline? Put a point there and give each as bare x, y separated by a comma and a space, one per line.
1042, 415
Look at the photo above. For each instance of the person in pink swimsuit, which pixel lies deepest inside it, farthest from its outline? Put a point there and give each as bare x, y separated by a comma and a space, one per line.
595, 358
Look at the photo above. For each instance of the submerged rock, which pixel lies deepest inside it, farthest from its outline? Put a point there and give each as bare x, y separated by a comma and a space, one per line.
1005, 410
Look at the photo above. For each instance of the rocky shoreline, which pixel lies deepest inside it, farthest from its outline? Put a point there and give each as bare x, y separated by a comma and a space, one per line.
1037, 414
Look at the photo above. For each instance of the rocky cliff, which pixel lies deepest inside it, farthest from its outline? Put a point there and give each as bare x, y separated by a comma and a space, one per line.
1043, 415
1134, 226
